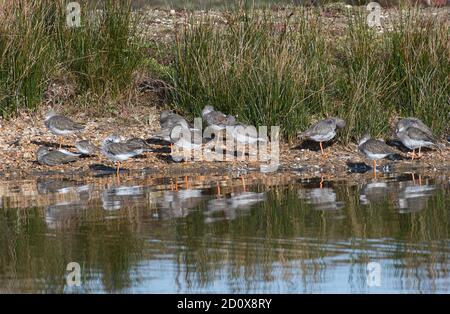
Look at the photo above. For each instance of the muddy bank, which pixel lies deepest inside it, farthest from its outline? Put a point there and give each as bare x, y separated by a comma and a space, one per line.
22, 136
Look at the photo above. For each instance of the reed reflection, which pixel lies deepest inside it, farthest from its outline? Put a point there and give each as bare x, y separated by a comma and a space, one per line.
265, 237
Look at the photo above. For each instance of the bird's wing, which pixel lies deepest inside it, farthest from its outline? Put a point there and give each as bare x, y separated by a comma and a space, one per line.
424, 127
92, 147
171, 120
137, 144
164, 134
378, 147
417, 134
119, 149
57, 158
321, 127
61, 122
216, 118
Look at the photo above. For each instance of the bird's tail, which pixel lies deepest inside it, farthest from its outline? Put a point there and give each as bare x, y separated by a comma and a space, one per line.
440, 147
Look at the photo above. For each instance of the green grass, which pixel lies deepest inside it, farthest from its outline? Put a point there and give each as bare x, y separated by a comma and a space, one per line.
36, 45
254, 68
266, 75
269, 70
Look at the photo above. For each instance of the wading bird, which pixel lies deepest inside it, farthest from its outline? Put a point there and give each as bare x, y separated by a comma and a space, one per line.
375, 150
217, 120
322, 131
61, 125
86, 147
116, 150
46, 156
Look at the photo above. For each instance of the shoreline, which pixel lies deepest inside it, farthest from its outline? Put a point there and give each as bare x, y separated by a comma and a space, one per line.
22, 136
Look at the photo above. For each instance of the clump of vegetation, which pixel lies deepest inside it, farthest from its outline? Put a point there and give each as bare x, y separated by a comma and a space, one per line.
256, 67
36, 44
290, 72
268, 70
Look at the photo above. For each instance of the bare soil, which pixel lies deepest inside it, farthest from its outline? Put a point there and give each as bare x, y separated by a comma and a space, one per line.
22, 136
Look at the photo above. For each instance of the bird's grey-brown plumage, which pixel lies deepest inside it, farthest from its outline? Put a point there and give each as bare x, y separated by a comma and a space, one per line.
116, 150
86, 147
372, 147
120, 149
48, 157
163, 135
217, 119
322, 131
61, 125
136, 143
169, 119
414, 138
416, 123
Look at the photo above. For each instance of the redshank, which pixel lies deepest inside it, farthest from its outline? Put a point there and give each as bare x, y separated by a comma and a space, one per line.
322, 131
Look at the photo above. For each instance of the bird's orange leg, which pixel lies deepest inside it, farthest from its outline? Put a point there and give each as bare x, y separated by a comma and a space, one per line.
218, 189
243, 183
321, 182
413, 154
420, 179
413, 178
324, 155
374, 168
118, 168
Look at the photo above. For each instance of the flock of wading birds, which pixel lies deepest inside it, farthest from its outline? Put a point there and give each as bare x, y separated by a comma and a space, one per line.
412, 132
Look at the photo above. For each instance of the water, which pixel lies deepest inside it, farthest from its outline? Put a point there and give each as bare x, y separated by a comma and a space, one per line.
262, 234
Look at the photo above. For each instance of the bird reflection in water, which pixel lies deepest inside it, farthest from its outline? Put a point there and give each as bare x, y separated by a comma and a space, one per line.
176, 204
374, 192
229, 208
323, 199
413, 197
114, 198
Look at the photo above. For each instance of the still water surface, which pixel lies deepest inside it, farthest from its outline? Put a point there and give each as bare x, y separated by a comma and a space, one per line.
257, 236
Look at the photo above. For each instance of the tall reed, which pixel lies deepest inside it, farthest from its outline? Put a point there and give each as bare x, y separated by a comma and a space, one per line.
290, 72
36, 45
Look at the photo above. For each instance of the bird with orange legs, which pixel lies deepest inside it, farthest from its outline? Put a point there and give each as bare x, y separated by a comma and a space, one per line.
375, 150
415, 136
61, 125
116, 150
322, 131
